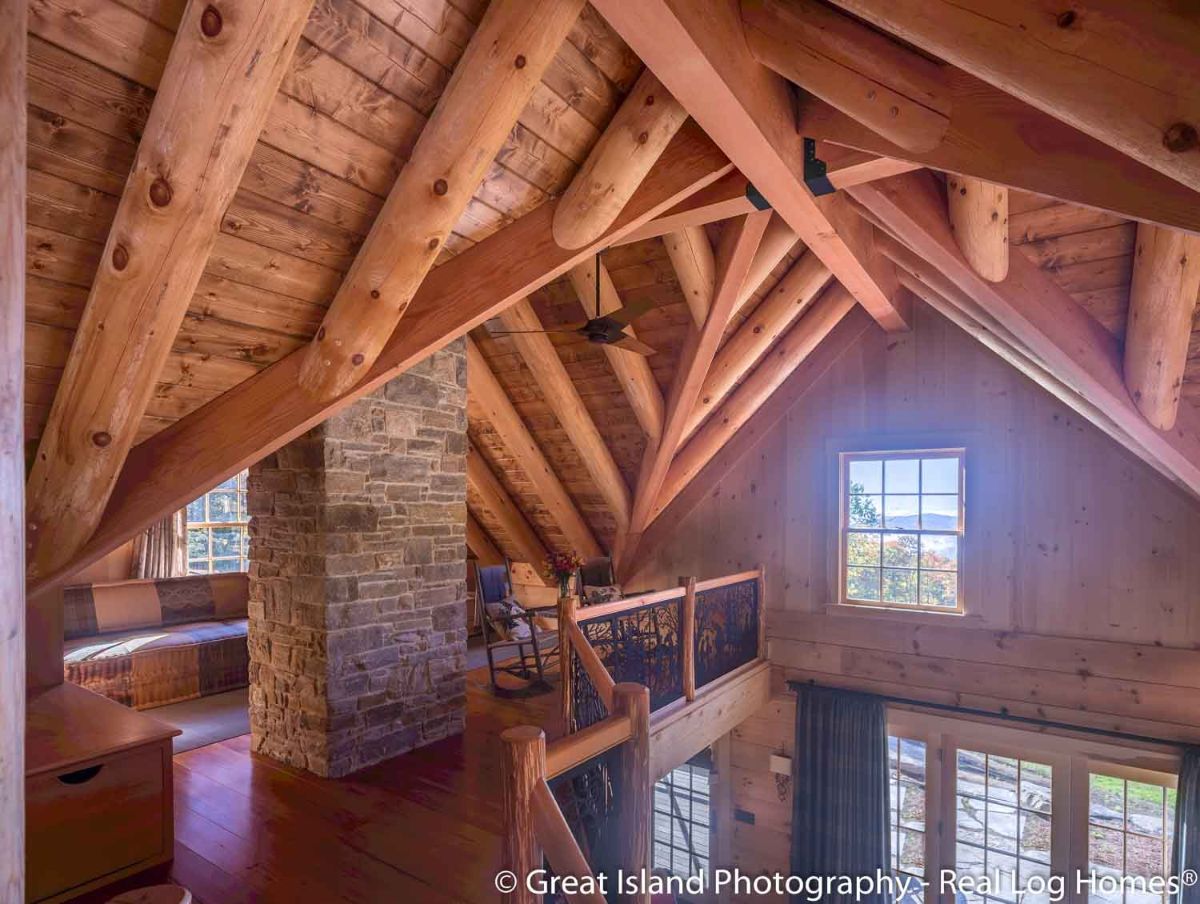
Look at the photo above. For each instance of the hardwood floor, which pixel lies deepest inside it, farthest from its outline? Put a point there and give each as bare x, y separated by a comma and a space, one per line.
421, 827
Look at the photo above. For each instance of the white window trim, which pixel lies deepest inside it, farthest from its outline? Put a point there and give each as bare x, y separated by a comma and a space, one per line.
1072, 757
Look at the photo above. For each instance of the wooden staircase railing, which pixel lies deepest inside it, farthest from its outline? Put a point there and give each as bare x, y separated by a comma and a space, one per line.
534, 825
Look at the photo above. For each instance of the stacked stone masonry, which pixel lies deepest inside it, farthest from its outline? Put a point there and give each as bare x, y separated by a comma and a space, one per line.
357, 577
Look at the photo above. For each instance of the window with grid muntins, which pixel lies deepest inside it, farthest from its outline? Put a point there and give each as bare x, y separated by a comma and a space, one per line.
1002, 820
906, 778
217, 529
1130, 832
902, 529
681, 821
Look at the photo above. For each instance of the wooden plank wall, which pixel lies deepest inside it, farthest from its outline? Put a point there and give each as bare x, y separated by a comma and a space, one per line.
1081, 581
12, 459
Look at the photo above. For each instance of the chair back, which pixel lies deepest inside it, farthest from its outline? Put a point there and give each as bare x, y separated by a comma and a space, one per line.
597, 572
493, 583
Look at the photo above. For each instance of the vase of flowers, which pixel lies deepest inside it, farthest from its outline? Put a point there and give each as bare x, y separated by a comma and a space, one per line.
560, 566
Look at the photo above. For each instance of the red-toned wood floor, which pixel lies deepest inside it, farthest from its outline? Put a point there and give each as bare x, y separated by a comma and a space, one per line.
421, 827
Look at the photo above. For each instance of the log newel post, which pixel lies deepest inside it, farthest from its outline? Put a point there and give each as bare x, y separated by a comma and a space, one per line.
524, 768
634, 804
566, 611
688, 637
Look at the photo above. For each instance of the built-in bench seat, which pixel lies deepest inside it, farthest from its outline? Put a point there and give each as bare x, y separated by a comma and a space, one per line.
153, 642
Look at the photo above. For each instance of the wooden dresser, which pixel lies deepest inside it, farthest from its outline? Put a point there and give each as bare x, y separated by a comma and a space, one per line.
98, 792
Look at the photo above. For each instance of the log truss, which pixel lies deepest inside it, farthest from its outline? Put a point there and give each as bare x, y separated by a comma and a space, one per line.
1013, 203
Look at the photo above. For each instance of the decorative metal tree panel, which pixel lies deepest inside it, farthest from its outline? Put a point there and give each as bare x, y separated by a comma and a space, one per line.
642, 645
726, 629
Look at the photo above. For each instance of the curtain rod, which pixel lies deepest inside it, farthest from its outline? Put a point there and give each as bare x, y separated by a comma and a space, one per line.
1004, 716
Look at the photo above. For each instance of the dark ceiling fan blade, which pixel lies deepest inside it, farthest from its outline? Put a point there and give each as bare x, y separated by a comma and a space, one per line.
630, 312
633, 345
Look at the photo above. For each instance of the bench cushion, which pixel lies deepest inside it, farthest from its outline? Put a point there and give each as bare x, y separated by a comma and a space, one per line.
147, 668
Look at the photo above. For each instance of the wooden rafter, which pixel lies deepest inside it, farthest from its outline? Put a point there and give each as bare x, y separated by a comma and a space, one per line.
699, 52
792, 350
502, 65
1040, 314
632, 370
1128, 74
895, 91
1000, 138
1162, 304
644, 124
695, 268
568, 406
480, 544
263, 413
222, 74
666, 526
487, 393
527, 545
776, 242
786, 303
978, 213
739, 242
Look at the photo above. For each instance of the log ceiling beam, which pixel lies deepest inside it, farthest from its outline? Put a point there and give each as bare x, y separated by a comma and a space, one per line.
639, 132
481, 545
698, 50
487, 393
492, 83
1040, 314
632, 370
695, 268
1162, 306
1002, 139
222, 74
666, 526
1128, 74
786, 303
893, 90
739, 242
776, 242
770, 373
263, 413
540, 356
978, 213
526, 544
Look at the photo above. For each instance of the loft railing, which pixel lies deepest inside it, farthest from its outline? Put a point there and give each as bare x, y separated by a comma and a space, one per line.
620, 661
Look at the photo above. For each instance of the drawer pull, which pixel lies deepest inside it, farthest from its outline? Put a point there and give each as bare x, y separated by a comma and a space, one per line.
81, 776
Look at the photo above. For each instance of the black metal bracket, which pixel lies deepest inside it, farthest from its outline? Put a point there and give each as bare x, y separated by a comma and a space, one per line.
757, 198
815, 171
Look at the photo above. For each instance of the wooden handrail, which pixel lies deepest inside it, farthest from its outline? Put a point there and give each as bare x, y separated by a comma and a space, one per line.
576, 749
604, 610
726, 580
558, 844
591, 664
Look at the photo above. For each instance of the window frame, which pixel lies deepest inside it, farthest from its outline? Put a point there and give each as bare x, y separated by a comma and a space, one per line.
1072, 757
696, 763
240, 491
844, 530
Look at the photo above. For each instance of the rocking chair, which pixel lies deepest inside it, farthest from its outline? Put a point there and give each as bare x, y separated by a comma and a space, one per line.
507, 625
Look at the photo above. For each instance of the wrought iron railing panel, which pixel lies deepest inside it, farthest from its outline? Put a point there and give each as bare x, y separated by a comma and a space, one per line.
726, 629
586, 706
587, 797
642, 645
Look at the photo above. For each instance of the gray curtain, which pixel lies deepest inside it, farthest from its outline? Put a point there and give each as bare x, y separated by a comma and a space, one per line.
160, 551
840, 812
1186, 853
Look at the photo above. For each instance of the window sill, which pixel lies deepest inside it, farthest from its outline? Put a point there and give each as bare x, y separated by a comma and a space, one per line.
924, 616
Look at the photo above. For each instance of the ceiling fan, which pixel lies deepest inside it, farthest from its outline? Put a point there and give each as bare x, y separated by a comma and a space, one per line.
604, 329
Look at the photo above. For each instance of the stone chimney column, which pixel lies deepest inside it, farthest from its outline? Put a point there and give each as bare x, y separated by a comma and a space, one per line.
358, 577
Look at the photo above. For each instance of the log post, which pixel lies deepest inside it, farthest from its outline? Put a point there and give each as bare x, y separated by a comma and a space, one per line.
636, 791
566, 611
523, 769
762, 613
688, 637
979, 219
13, 93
